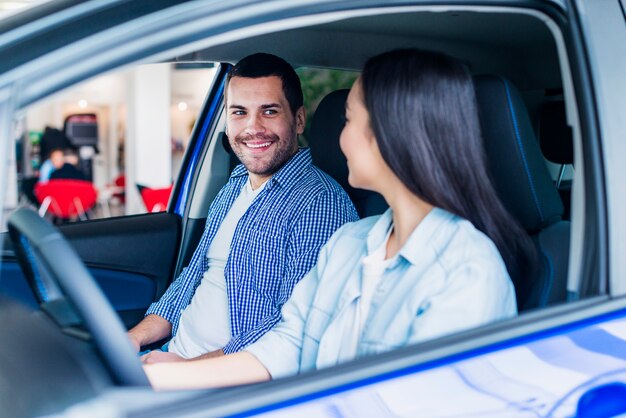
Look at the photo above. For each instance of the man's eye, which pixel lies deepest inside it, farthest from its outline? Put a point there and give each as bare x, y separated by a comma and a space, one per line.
239, 113
270, 112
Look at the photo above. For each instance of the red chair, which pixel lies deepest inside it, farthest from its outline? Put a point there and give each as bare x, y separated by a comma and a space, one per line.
155, 199
120, 181
66, 199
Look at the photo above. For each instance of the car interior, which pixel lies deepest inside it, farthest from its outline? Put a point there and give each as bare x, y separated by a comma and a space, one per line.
530, 127
518, 81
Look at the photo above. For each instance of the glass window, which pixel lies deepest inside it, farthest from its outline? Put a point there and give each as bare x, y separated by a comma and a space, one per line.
316, 84
123, 134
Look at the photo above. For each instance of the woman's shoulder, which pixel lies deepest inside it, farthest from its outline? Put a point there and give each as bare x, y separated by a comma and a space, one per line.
472, 265
466, 243
358, 229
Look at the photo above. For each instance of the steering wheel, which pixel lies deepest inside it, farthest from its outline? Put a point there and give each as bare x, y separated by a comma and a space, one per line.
62, 283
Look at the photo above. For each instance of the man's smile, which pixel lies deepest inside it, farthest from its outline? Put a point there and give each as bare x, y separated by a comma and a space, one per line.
258, 145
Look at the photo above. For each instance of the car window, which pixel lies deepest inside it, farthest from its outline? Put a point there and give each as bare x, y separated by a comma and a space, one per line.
316, 84
124, 133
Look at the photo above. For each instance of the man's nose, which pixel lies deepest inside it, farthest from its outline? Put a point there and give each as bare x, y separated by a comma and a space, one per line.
254, 125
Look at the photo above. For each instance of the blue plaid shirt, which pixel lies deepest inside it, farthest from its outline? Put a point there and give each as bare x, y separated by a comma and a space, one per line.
275, 244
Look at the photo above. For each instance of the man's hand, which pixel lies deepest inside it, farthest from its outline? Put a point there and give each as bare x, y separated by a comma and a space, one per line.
152, 328
158, 356
134, 340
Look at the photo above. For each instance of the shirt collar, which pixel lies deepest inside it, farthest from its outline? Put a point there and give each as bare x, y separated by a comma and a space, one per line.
421, 239
378, 233
287, 174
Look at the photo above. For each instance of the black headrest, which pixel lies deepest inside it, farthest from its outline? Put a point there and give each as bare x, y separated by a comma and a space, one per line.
226, 143
517, 166
326, 127
555, 136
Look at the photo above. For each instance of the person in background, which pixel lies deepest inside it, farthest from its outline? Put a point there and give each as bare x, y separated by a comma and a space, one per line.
55, 161
52, 140
437, 261
68, 169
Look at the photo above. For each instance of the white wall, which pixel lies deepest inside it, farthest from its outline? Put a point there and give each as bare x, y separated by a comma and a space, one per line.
138, 108
148, 132
189, 87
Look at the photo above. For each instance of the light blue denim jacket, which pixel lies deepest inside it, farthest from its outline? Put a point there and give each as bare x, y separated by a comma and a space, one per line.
448, 277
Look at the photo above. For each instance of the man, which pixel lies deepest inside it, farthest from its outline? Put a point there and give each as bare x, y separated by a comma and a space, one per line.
54, 162
264, 229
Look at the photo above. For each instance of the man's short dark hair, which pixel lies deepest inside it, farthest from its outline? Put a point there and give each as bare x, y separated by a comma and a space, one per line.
267, 65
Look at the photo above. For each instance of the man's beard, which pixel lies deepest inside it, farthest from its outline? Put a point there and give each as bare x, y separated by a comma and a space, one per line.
283, 151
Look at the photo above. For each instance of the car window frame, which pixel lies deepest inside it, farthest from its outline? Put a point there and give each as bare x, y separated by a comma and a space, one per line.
7, 110
496, 333
491, 337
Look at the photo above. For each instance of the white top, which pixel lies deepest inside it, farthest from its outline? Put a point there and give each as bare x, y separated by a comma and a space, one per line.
205, 323
373, 266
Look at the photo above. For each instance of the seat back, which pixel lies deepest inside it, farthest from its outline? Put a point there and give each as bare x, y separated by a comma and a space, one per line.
66, 199
524, 185
326, 127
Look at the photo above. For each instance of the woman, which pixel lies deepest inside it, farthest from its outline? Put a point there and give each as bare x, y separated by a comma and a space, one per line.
434, 263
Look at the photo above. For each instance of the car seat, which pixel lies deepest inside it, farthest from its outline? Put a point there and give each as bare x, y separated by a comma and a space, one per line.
155, 200
524, 185
66, 199
326, 127
120, 183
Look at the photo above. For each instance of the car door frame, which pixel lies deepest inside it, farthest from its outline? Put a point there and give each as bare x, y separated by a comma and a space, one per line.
535, 324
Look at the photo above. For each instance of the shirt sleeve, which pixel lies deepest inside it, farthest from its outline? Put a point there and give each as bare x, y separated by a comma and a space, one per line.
279, 350
168, 305
310, 232
476, 293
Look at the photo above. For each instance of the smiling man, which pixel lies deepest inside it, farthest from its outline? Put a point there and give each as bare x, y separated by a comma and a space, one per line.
262, 125
264, 229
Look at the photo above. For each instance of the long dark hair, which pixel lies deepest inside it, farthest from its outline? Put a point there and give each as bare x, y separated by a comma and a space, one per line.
423, 112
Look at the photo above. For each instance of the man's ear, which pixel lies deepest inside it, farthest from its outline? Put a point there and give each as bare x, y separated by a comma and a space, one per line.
300, 120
